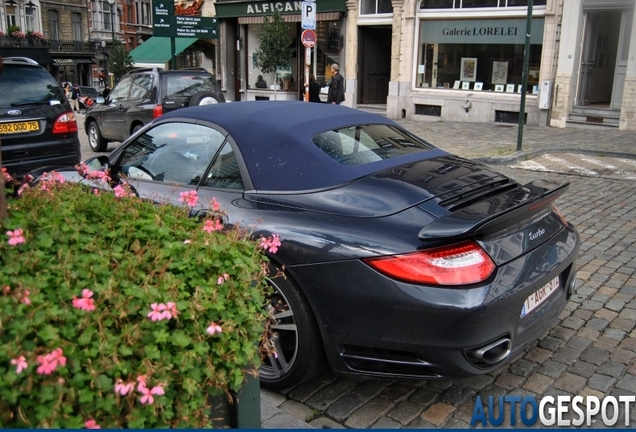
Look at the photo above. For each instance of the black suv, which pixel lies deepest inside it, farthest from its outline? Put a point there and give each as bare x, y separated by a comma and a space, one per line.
37, 124
144, 94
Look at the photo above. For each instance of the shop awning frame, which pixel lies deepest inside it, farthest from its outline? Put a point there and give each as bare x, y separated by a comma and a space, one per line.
156, 50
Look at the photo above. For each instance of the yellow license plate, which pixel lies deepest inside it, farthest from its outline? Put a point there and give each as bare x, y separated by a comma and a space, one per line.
19, 127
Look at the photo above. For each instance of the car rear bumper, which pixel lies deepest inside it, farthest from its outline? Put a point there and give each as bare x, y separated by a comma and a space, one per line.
19, 160
428, 332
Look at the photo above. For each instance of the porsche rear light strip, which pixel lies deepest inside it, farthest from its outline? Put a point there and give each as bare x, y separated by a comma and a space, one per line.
460, 264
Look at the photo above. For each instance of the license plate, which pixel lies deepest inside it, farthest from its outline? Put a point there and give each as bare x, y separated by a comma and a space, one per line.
535, 299
19, 127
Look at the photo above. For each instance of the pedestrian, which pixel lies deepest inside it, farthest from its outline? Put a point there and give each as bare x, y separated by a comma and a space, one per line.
67, 91
106, 91
336, 93
314, 89
260, 82
75, 94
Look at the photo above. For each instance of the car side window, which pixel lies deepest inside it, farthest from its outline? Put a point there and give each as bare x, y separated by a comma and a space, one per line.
120, 92
225, 172
171, 152
141, 87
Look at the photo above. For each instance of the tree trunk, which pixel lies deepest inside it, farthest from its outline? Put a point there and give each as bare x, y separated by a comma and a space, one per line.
3, 195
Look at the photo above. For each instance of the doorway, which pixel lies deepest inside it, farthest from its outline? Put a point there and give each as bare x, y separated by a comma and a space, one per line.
374, 59
603, 64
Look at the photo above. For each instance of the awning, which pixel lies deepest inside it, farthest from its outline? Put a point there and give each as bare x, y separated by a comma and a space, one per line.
40, 55
324, 16
72, 61
156, 50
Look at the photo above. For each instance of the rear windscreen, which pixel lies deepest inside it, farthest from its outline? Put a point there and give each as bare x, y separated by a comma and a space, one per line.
186, 86
20, 86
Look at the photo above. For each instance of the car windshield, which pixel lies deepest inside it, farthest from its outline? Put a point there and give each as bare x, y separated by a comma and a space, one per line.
22, 86
362, 144
186, 86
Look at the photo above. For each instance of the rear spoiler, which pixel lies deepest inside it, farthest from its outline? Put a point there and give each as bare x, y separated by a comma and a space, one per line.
495, 212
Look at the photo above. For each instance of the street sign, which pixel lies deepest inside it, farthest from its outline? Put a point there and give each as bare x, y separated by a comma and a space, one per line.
308, 38
308, 56
167, 24
308, 20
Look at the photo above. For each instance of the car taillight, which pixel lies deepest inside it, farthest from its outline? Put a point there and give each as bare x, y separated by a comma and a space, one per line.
459, 264
157, 111
65, 123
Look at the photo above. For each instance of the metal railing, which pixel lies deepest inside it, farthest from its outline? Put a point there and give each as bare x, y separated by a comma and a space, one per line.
52, 45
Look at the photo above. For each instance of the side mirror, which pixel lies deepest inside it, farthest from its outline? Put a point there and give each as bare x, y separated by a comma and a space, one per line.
98, 163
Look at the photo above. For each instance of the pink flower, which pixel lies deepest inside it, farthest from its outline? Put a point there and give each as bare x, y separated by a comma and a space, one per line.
214, 328
147, 394
215, 205
210, 226
48, 363
6, 175
95, 191
271, 244
20, 364
16, 237
222, 278
162, 311
86, 302
91, 424
6, 289
120, 192
187, 241
141, 379
25, 297
102, 176
22, 188
190, 198
124, 388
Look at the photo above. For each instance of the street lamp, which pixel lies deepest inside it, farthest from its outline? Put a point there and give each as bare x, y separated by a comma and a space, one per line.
106, 57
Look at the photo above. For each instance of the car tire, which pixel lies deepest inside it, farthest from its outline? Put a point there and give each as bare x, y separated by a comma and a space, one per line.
136, 129
95, 140
299, 349
203, 98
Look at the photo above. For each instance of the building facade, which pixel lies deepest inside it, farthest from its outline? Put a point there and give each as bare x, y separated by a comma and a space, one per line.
595, 83
241, 26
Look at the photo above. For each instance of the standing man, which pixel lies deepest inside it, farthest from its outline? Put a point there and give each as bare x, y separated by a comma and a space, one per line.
75, 94
336, 93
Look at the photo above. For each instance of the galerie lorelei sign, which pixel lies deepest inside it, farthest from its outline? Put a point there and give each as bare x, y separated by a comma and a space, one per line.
492, 31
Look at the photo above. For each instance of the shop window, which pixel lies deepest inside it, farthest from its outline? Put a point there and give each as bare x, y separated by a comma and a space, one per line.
488, 57
437, 4
479, 3
370, 7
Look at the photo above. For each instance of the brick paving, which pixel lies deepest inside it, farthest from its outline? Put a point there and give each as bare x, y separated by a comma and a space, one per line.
591, 350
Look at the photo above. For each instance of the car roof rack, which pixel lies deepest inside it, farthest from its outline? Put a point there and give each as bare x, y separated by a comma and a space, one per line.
143, 69
21, 60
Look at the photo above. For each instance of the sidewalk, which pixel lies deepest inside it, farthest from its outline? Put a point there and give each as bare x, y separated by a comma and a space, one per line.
493, 144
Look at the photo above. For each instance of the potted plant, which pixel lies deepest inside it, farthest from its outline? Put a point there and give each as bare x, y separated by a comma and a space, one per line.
118, 312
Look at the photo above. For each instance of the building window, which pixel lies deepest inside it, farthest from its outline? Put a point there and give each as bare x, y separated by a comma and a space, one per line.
106, 20
478, 55
143, 13
466, 4
12, 20
54, 24
371, 7
29, 15
129, 12
76, 26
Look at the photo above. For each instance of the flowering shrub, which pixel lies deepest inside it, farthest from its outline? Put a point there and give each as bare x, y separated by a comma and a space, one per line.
35, 35
18, 34
115, 312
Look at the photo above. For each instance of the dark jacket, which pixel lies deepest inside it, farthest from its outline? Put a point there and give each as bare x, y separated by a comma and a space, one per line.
75, 93
336, 89
314, 92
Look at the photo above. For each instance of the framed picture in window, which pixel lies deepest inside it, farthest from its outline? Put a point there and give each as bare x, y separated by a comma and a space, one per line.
519, 88
499, 87
456, 84
535, 89
499, 72
533, 75
479, 86
510, 88
468, 69
465, 85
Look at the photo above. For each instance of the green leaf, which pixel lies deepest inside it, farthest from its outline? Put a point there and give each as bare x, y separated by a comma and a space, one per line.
180, 339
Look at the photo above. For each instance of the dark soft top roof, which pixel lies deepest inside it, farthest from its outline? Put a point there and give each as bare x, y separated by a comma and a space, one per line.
275, 138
